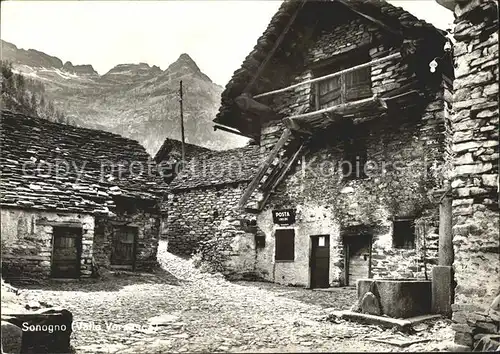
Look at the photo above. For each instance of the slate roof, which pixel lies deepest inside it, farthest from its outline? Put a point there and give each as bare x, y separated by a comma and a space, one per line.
215, 168
41, 161
174, 147
393, 17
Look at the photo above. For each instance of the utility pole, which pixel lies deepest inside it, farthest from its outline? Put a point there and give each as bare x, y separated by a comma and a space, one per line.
182, 124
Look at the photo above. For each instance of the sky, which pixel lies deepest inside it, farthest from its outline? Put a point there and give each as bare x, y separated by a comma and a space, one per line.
218, 35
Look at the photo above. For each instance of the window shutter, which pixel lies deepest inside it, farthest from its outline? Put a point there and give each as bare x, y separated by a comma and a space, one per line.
358, 84
285, 245
329, 92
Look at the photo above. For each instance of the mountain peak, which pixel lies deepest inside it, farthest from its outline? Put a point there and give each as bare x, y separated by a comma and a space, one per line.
185, 57
185, 65
141, 69
79, 69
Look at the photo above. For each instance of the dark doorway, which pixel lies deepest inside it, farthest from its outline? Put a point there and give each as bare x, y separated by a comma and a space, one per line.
357, 250
124, 245
66, 252
320, 261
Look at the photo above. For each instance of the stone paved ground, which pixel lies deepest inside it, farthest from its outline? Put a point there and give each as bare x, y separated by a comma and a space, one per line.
203, 312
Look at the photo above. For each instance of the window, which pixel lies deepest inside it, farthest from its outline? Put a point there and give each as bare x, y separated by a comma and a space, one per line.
355, 158
260, 241
351, 86
285, 245
404, 234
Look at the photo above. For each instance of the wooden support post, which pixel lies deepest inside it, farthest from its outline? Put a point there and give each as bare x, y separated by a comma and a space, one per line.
442, 274
445, 232
370, 275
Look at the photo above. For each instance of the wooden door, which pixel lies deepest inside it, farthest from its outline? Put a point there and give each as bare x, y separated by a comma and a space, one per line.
66, 252
320, 261
124, 245
358, 258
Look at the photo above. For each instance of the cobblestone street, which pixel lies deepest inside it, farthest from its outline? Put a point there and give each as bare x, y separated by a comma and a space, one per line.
201, 312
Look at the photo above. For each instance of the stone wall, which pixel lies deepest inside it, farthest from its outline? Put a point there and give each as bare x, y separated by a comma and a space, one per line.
27, 242
337, 39
148, 227
474, 180
194, 215
404, 149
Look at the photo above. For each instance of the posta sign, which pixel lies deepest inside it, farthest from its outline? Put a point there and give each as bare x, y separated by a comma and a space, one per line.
284, 216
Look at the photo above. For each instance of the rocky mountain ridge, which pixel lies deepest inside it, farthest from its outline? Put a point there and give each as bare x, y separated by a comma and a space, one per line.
138, 101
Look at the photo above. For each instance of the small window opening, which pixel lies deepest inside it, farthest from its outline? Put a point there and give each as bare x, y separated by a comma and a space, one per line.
260, 241
355, 156
404, 234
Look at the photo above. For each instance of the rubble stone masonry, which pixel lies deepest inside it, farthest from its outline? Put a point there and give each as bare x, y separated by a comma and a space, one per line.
330, 205
474, 181
27, 242
194, 215
147, 223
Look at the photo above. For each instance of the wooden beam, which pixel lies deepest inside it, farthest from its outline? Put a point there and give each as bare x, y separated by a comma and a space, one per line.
229, 130
295, 126
406, 87
329, 76
382, 25
277, 43
410, 98
345, 108
246, 103
262, 170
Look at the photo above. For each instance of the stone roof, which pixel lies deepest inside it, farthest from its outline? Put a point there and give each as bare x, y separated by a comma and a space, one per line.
393, 17
174, 147
215, 168
52, 166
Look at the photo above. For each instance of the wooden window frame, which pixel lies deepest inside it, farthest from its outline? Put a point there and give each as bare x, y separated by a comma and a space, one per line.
336, 64
289, 254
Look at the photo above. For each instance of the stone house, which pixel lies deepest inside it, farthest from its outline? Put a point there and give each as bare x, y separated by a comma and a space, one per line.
203, 198
169, 157
73, 200
351, 160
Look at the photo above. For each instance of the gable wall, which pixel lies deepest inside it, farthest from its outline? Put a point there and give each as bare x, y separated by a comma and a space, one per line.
325, 205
